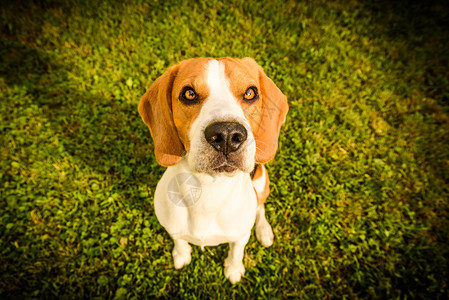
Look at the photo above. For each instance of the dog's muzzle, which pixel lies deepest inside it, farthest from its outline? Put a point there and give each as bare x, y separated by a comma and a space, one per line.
226, 138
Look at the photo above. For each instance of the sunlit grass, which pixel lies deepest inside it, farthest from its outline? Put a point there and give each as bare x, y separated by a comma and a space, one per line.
360, 184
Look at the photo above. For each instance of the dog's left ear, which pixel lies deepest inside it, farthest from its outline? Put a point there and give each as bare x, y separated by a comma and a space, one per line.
274, 110
155, 108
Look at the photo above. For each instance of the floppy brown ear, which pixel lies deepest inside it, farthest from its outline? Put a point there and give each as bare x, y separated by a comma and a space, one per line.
155, 108
274, 110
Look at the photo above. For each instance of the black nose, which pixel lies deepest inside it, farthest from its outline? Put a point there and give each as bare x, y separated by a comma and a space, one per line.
226, 137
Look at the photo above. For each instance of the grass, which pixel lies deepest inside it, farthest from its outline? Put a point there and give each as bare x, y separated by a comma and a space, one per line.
360, 184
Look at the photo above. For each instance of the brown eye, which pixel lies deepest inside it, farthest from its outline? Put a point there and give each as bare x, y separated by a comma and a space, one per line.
250, 93
189, 94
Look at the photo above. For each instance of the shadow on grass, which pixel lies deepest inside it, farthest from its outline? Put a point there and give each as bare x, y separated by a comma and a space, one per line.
102, 133
102, 136
422, 27
418, 33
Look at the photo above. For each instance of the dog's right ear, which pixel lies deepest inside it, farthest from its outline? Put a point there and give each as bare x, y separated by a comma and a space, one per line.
155, 108
274, 110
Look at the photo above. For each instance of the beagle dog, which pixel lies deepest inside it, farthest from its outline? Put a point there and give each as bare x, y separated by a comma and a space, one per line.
214, 123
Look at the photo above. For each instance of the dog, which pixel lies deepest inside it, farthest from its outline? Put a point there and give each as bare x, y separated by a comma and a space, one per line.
214, 123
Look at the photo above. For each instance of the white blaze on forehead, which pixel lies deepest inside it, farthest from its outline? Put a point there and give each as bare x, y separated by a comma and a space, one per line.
221, 101
216, 77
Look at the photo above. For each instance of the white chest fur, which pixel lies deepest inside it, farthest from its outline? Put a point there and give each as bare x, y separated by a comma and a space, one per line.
205, 210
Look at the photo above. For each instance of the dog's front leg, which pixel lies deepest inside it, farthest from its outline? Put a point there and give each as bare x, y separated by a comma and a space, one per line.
181, 253
234, 268
264, 233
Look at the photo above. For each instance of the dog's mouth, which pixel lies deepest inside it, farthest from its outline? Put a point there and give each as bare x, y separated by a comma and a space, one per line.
226, 168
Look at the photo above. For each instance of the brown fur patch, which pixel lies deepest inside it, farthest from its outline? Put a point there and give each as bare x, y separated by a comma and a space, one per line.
191, 73
262, 196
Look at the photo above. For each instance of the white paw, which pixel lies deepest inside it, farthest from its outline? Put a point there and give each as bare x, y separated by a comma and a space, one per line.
233, 271
181, 258
264, 233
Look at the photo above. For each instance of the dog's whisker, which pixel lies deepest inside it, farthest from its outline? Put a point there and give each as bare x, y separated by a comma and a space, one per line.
260, 141
257, 148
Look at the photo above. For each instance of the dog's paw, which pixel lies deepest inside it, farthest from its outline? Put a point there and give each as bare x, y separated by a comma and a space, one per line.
181, 258
264, 233
233, 271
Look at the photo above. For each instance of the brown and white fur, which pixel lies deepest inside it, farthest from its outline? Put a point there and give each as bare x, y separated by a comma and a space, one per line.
234, 182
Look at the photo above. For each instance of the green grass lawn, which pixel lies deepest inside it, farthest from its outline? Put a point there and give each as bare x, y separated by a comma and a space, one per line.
360, 185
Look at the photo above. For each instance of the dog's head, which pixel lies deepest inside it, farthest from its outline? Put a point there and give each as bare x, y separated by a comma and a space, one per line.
223, 114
